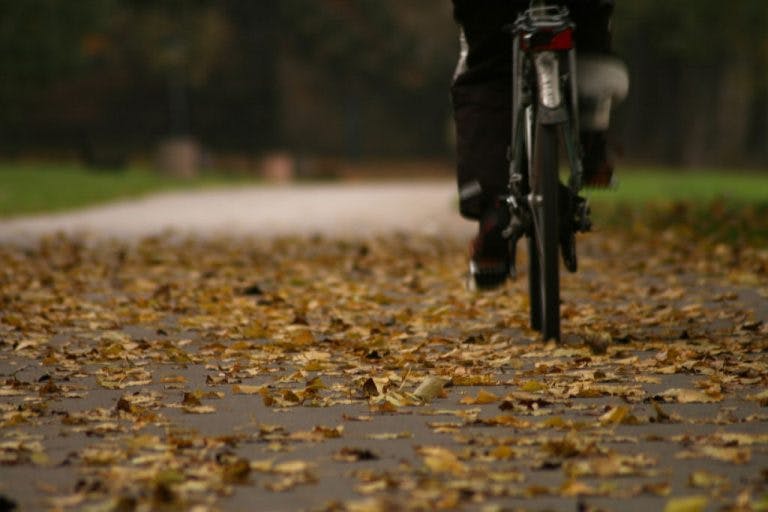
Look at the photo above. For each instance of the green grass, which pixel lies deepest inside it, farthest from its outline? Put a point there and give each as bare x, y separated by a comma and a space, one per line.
718, 206
658, 185
26, 189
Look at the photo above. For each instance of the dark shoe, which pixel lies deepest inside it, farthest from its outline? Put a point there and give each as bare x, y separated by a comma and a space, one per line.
598, 169
489, 265
513, 233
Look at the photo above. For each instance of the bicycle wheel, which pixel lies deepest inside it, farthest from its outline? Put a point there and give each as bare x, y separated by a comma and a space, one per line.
544, 269
534, 286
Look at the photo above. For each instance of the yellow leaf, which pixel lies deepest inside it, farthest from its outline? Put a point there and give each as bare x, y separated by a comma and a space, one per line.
299, 335
175, 379
686, 504
376, 504
386, 436
442, 460
533, 386
506, 421
705, 479
576, 488
554, 422
615, 415
198, 409
503, 452
383, 407
761, 398
657, 488
40, 459
293, 466
483, 397
370, 488
244, 389
474, 380
727, 454
688, 396
314, 365
263, 466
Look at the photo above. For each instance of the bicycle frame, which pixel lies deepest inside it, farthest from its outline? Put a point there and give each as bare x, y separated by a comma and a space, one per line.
542, 42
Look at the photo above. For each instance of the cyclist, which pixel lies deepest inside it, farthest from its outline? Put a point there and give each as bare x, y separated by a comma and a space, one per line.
481, 94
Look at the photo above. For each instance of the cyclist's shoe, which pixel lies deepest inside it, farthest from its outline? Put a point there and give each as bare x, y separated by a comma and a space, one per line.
598, 168
490, 263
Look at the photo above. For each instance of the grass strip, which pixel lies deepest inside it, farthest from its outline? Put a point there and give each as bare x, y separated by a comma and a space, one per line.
718, 206
27, 189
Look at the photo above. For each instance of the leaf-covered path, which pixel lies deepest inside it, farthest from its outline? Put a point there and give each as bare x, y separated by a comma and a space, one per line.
313, 373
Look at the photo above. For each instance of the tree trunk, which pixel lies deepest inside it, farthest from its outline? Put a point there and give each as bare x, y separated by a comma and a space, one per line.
732, 115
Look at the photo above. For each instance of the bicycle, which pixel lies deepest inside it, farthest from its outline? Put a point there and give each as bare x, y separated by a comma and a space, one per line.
544, 112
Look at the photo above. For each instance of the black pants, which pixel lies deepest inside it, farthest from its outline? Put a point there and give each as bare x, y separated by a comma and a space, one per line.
482, 89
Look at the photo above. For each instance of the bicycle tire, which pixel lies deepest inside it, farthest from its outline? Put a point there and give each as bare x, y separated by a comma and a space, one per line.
544, 266
534, 283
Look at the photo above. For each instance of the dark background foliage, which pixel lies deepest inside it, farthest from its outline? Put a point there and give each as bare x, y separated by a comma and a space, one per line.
102, 79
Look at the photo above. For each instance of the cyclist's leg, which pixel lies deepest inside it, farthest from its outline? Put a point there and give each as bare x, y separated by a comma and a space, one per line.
599, 71
482, 121
593, 25
481, 94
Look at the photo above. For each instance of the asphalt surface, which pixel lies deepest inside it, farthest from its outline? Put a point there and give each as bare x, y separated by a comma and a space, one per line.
355, 211
335, 209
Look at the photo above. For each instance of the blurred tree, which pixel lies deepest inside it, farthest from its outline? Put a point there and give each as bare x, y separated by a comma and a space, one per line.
359, 78
698, 78
176, 41
41, 42
385, 64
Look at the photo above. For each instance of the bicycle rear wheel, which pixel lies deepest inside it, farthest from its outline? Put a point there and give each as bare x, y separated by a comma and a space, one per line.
544, 269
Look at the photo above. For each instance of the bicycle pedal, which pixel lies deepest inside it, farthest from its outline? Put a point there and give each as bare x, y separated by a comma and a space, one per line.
582, 221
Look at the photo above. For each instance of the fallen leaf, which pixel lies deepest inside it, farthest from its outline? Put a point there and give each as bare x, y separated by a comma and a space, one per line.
430, 388
686, 504
236, 471
533, 386
761, 398
386, 436
688, 396
705, 479
483, 397
198, 409
354, 455
293, 466
619, 414
244, 389
725, 454
441, 460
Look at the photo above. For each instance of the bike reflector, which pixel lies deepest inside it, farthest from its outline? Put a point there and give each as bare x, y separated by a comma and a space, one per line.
543, 40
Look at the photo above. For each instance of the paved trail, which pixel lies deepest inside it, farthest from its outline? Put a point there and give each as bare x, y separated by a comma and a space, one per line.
348, 209
277, 372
